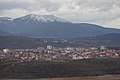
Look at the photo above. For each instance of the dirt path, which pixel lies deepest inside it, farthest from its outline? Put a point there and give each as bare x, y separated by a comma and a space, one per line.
106, 77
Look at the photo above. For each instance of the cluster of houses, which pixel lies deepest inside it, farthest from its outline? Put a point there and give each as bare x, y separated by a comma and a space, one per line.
60, 54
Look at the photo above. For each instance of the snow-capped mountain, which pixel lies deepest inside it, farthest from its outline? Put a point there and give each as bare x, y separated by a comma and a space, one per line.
5, 20
40, 18
51, 26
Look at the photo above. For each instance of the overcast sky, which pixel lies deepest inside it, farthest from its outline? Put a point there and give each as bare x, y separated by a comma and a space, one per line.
102, 12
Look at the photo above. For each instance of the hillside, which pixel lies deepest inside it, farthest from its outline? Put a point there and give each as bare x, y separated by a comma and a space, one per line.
3, 33
48, 69
110, 36
18, 42
109, 40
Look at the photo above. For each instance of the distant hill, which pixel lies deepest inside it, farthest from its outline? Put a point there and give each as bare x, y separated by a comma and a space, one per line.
3, 33
17, 42
50, 26
108, 40
110, 36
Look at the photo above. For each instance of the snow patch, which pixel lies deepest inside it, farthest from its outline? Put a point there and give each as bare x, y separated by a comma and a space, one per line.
42, 18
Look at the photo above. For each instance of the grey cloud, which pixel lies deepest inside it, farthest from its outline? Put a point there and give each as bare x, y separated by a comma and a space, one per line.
73, 10
45, 4
48, 6
13, 5
103, 5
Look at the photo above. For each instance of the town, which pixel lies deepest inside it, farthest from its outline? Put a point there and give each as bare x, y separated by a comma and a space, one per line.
50, 53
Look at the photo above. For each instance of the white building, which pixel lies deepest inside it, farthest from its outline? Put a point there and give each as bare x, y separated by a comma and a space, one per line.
49, 47
6, 50
102, 47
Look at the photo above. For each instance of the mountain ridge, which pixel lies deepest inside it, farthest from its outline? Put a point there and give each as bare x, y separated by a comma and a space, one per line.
51, 26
